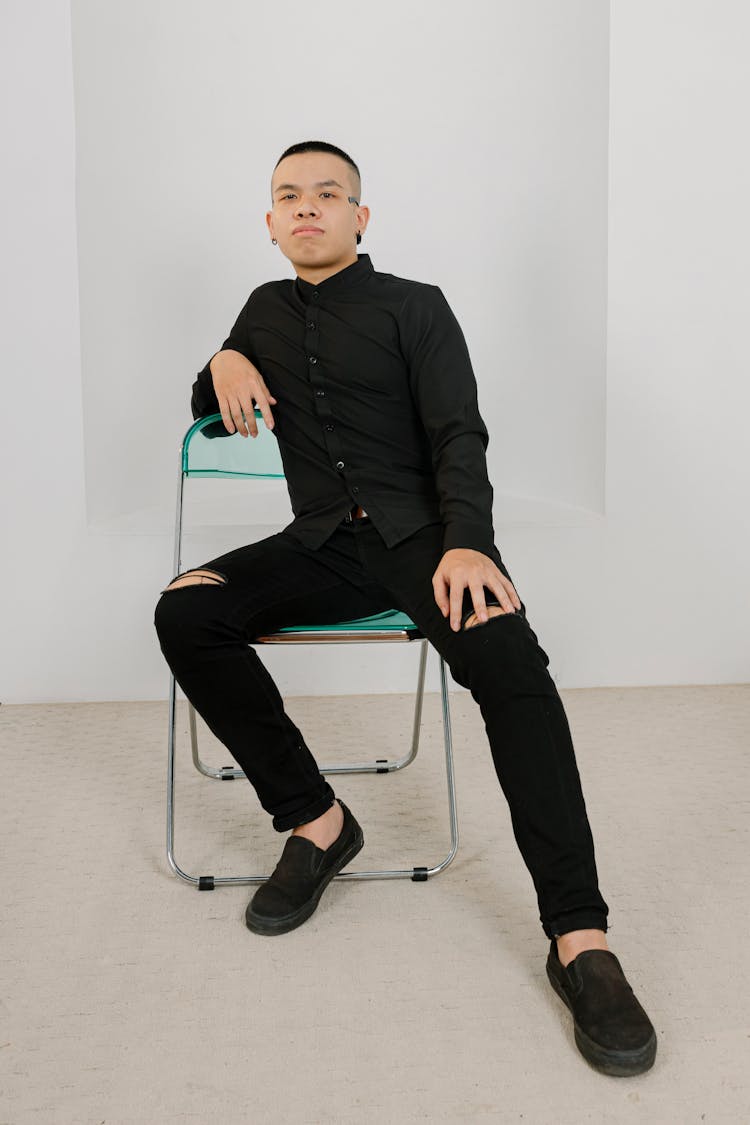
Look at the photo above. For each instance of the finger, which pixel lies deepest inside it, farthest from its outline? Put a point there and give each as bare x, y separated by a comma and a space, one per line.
236, 409
249, 411
266, 391
439, 585
515, 600
480, 605
261, 400
498, 587
226, 414
457, 602
235, 412
249, 415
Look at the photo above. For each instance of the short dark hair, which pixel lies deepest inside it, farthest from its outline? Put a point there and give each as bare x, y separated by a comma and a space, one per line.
318, 146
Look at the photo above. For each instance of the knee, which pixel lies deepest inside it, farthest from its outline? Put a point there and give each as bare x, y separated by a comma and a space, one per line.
200, 577
472, 620
500, 659
494, 654
176, 615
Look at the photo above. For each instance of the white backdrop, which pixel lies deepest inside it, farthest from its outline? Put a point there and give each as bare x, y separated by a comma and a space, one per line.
572, 178
482, 144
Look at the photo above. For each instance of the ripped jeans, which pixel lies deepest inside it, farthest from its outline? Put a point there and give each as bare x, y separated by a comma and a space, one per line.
206, 633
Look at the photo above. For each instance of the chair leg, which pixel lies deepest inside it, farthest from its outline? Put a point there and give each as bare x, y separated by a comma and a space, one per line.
380, 765
170, 787
421, 874
224, 773
416, 874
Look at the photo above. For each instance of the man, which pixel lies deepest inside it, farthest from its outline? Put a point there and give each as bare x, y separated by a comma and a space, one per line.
376, 414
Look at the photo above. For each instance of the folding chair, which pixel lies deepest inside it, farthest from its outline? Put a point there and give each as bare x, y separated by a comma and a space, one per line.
208, 450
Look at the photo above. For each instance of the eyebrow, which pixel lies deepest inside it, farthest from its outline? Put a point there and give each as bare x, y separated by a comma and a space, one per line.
320, 183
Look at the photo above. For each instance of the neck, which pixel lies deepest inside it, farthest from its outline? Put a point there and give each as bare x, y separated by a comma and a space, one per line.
316, 274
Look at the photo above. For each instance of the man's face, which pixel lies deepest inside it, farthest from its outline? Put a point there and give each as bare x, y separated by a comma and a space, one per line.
312, 219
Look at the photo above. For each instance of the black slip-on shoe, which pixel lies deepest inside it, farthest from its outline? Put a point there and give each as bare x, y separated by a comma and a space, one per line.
290, 895
612, 1031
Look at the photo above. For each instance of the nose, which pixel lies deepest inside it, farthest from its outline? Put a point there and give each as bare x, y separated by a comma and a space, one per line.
303, 208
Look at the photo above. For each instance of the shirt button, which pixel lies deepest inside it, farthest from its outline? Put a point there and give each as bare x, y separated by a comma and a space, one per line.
329, 427
339, 464
312, 359
315, 293
311, 324
355, 488
320, 393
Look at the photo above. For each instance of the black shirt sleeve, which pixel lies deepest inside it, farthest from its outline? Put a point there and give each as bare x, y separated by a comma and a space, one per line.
204, 400
444, 390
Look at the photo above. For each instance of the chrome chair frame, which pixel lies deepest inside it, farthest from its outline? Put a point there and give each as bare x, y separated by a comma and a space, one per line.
403, 631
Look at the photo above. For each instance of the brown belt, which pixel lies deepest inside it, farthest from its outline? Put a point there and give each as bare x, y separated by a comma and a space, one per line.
356, 513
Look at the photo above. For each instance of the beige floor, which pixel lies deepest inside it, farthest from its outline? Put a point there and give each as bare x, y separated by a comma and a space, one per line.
130, 997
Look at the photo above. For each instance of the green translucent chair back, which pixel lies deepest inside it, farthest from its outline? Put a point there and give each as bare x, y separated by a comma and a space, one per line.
209, 450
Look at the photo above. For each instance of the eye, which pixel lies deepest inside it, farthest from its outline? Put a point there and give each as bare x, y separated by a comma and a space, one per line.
328, 193
287, 196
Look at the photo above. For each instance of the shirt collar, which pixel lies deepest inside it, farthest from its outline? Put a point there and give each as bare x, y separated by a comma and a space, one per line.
340, 281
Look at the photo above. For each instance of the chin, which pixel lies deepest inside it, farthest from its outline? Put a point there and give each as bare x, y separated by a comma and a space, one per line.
318, 254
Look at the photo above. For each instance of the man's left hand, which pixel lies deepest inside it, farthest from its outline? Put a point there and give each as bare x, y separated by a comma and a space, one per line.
461, 567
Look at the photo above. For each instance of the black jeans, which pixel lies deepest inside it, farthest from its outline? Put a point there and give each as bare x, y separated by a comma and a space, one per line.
206, 633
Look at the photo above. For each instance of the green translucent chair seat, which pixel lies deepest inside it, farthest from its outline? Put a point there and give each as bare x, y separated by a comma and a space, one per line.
389, 624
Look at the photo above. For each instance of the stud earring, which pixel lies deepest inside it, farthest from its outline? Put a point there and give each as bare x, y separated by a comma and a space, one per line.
273, 240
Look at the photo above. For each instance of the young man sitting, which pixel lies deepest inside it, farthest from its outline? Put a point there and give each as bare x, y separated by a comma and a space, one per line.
366, 381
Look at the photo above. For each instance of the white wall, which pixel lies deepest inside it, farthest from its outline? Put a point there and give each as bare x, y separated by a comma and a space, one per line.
483, 150
674, 580
635, 576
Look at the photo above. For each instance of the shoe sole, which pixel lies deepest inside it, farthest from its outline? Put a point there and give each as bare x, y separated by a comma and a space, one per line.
620, 1063
272, 926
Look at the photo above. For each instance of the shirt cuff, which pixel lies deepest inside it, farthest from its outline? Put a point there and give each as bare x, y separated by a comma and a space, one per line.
204, 400
470, 536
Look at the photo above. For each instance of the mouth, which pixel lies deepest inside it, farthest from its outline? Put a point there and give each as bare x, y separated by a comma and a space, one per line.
307, 231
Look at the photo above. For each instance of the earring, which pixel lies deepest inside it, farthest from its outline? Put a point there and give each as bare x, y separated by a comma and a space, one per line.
273, 240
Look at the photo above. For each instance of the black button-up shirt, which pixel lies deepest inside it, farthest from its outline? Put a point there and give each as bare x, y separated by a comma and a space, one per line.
376, 404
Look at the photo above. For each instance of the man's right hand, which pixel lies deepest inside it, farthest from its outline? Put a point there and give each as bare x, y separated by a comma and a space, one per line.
237, 382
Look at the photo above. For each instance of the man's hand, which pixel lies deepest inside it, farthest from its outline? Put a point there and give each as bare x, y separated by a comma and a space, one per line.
462, 567
237, 382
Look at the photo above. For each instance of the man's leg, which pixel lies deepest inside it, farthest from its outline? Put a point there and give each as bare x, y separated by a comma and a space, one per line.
504, 667
569, 944
206, 620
